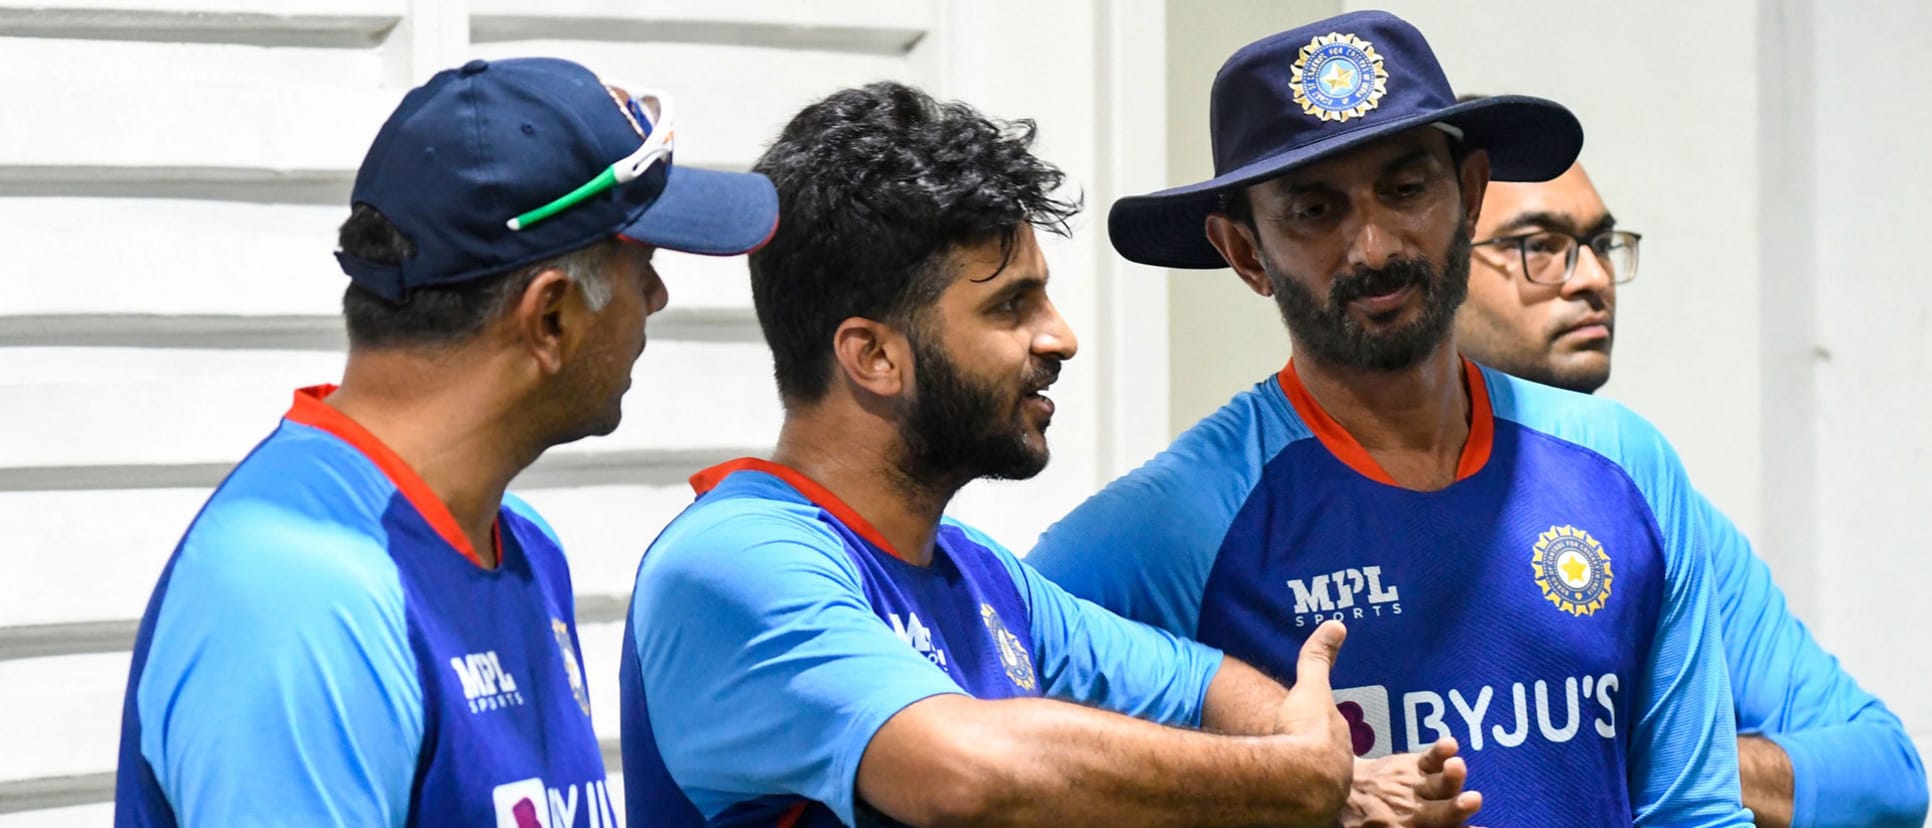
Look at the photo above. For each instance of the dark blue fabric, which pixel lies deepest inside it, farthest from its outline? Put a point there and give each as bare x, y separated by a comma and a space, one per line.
1422, 661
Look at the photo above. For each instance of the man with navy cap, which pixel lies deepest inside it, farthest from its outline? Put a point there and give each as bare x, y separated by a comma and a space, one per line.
361, 627
1521, 568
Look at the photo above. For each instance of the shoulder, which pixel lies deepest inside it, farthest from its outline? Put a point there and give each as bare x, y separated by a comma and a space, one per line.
258, 548
1602, 426
736, 543
522, 510
1212, 466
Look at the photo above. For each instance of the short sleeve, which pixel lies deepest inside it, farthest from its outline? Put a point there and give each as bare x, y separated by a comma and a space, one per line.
1145, 545
279, 678
1091, 656
765, 669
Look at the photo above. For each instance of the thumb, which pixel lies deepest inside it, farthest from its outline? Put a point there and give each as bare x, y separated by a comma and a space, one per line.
1318, 654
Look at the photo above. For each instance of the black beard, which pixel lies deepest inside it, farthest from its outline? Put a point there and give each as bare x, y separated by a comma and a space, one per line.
1328, 333
955, 431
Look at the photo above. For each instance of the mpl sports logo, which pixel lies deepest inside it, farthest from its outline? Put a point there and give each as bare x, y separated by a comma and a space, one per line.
529, 803
1344, 595
917, 635
486, 685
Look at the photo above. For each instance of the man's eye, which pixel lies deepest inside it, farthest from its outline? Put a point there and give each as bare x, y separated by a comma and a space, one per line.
1308, 212
1409, 189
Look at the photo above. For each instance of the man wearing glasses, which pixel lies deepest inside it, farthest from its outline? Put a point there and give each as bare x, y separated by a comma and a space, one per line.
1544, 271
1815, 749
361, 627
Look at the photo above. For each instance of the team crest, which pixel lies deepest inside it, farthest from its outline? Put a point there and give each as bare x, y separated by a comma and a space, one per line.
1338, 77
1013, 655
572, 667
1572, 570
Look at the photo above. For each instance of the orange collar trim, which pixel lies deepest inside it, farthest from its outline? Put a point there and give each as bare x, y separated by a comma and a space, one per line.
820, 496
310, 410
1475, 451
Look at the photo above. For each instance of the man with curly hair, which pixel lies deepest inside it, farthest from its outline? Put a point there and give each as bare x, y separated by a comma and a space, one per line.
814, 643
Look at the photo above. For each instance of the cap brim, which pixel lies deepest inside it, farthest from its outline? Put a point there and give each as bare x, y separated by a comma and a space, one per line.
709, 212
1528, 139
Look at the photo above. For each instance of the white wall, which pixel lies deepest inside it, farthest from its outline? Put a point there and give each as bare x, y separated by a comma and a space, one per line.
1872, 365
171, 175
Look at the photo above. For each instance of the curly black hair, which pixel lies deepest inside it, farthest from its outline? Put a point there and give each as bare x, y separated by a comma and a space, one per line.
876, 185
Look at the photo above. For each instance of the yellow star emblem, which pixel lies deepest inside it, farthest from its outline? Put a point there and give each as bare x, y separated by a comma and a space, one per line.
1339, 78
1573, 570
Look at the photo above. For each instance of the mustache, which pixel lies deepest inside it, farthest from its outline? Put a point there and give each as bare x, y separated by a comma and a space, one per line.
1366, 281
1040, 373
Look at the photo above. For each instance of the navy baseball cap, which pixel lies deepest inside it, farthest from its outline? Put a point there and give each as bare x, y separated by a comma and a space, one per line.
478, 146
1309, 93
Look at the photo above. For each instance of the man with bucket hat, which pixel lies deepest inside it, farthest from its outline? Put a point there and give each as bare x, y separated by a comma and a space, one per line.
1521, 568
361, 627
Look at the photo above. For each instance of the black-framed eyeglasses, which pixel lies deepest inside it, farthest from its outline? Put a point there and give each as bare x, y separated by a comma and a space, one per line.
1549, 257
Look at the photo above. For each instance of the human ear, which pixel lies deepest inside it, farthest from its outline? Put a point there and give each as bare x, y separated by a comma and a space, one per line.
1474, 178
545, 323
872, 355
1236, 241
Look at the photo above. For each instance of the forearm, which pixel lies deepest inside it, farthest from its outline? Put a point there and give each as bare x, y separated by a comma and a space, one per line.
1241, 700
1765, 772
1040, 762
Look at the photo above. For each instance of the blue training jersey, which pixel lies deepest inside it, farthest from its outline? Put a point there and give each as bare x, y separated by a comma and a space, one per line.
1550, 609
773, 631
324, 648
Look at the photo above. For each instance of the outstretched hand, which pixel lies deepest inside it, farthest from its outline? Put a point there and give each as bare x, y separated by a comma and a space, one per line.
1412, 790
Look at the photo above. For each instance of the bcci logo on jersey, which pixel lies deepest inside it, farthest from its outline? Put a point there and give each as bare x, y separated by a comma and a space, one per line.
1013, 655
1572, 570
1343, 595
486, 685
573, 668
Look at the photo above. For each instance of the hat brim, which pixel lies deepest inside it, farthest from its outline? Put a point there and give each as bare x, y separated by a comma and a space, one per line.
708, 212
1528, 139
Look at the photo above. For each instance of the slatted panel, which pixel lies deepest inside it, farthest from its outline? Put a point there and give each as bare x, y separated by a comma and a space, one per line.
170, 217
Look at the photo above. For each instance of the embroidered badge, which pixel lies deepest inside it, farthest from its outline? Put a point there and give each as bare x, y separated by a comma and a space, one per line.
1338, 77
1572, 570
572, 667
1013, 655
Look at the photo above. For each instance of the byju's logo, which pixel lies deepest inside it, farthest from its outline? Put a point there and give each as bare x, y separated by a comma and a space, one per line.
486, 684
915, 633
531, 803
1344, 595
1369, 727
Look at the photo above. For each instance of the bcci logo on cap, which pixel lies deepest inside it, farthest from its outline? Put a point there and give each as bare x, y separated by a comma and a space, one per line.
1338, 77
1572, 570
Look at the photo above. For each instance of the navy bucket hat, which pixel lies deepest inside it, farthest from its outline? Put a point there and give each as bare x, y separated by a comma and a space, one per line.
1315, 91
476, 147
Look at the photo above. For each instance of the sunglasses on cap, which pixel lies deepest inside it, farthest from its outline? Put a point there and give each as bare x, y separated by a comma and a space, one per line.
649, 114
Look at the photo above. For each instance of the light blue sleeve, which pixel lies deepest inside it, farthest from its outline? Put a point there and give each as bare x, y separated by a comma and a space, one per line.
1852, 762
1144, 546
1093, 657
765, 669
279, 682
